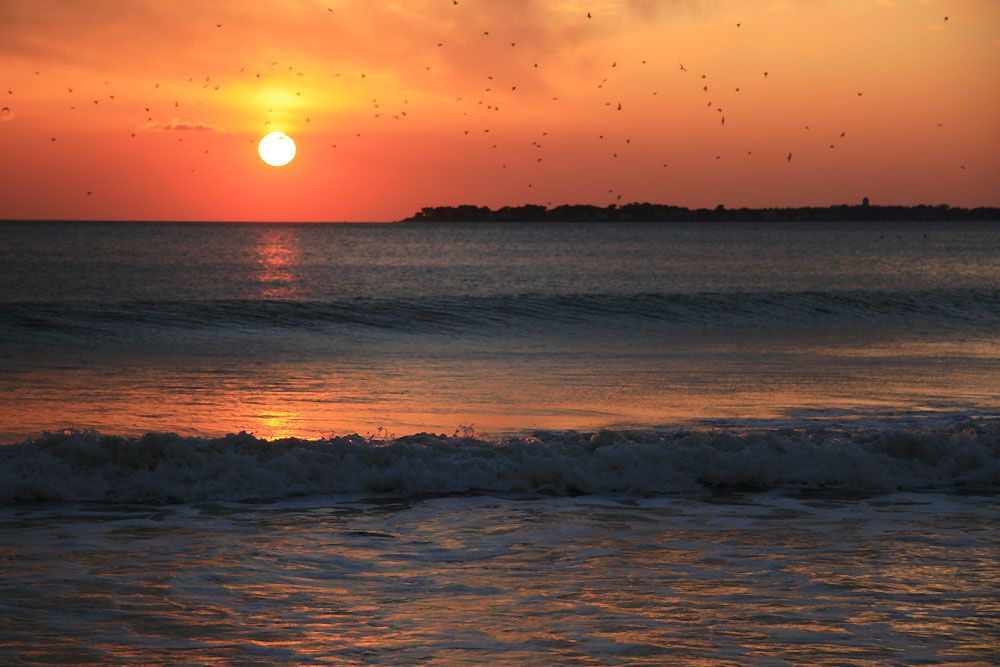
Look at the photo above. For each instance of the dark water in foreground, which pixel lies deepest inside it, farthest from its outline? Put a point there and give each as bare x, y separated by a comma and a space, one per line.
580, 444
761, 579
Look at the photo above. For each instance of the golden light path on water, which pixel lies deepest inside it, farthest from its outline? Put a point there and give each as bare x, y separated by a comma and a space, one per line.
400, 395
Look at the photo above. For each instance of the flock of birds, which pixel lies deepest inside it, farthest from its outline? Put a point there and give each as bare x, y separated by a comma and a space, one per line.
486, 101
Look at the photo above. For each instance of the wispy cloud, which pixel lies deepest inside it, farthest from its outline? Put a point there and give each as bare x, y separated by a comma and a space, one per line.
178, 125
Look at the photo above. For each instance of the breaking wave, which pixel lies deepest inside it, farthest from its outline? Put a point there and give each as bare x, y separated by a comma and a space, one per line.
71, 466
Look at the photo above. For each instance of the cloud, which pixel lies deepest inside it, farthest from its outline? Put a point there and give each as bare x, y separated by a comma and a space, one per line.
179, 126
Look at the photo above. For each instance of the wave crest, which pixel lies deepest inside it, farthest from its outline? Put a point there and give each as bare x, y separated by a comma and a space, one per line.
72, 466
960, 307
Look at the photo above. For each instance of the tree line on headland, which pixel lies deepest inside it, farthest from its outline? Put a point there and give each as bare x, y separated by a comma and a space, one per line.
664, 213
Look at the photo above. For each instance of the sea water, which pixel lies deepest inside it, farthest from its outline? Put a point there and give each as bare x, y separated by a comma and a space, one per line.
594, 443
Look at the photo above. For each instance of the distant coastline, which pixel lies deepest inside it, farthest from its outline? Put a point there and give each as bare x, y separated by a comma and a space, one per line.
863, 212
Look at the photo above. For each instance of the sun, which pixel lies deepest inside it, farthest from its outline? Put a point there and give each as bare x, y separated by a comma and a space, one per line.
277, 149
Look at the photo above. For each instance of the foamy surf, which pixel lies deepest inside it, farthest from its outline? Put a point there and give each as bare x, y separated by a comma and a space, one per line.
75, 466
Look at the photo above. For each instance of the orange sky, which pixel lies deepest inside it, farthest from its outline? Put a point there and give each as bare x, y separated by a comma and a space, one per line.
387, 121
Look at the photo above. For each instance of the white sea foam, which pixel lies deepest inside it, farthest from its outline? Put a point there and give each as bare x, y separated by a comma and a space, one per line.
86, 466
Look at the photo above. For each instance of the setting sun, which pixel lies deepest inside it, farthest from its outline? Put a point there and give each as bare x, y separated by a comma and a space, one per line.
277, 149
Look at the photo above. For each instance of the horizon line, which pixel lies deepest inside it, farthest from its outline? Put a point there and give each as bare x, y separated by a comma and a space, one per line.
613, 206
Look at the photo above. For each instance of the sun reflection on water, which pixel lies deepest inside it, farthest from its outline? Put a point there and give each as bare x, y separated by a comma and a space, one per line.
279, 424
278, 255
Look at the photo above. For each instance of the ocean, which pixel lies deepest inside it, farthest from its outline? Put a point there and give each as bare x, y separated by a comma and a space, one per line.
507, 443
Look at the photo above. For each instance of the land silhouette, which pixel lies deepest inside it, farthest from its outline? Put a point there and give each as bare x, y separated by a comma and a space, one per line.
645, 212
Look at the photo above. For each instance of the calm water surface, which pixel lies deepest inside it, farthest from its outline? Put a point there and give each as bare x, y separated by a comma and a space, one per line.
306, 330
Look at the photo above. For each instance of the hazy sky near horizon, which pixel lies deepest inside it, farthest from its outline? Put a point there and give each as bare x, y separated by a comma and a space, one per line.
156, 110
